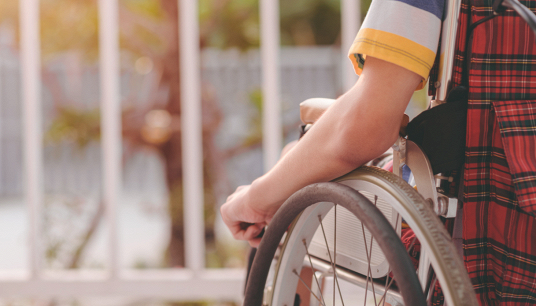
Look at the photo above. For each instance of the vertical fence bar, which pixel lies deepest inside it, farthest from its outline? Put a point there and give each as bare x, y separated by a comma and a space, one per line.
192, 149
2, 184
32, 122
272, 131
351, 22
110, 119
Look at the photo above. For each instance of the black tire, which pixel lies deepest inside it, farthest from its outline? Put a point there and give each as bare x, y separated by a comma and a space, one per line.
371, 217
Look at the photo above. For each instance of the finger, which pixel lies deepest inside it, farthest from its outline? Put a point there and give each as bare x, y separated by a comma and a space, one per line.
253, 231
236, 228
261, 234
254, 242
245, 225
242, 231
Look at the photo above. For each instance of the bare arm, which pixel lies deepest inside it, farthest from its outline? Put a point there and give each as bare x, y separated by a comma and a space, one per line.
359, 126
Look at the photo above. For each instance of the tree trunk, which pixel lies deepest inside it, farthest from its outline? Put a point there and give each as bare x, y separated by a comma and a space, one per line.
213, 161
172, 150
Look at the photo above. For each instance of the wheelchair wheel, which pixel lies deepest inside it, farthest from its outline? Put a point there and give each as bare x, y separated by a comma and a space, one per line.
331, 275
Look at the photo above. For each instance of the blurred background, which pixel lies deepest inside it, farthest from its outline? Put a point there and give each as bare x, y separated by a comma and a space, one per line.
150, 221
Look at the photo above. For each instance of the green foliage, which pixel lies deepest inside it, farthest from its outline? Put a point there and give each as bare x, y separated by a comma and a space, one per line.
229, 23
148, 8
235, 23
255, 97
255, 134
143, 27
226, 255
308, 22
365, 4
175, 210
78, 126
69, 25
420, 98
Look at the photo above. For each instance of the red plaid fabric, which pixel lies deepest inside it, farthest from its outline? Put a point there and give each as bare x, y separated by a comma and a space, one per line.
500, 171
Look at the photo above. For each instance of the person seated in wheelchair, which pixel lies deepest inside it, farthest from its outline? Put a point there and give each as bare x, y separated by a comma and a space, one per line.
393, 54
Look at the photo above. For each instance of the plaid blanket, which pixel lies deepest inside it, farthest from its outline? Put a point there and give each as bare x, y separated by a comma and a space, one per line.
500, 171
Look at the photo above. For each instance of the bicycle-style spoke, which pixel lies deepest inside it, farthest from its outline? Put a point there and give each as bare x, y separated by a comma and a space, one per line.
355, 271
306, 286
331, 260
366, 286
314, 274
369, 256
369, 272
334, 246
385, 288
387, 283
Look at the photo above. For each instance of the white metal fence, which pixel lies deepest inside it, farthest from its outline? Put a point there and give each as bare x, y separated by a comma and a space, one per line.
230, 74
192, 282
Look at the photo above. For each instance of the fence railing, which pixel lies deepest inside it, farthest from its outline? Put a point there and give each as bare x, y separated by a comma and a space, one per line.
192, 282
69, 168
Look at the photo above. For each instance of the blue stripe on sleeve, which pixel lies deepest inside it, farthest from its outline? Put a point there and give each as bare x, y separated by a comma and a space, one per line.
432, 6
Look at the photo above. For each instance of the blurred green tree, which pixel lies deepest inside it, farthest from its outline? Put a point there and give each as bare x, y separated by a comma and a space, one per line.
235, 23
149, 29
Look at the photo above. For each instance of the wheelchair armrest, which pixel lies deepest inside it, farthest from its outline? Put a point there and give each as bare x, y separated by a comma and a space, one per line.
312, 109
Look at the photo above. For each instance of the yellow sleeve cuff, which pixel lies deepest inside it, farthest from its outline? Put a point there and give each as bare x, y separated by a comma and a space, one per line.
394, 49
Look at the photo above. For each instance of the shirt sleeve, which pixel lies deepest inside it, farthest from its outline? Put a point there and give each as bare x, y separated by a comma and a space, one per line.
402, 32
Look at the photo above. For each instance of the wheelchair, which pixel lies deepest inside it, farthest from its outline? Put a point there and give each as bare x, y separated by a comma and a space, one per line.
344, 242
339, 243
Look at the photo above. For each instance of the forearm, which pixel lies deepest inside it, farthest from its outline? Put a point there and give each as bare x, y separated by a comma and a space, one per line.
361, 125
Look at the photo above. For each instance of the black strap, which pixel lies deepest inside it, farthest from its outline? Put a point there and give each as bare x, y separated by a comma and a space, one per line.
469, 48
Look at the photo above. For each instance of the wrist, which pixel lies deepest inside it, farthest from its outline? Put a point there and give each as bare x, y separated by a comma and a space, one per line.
262, 198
